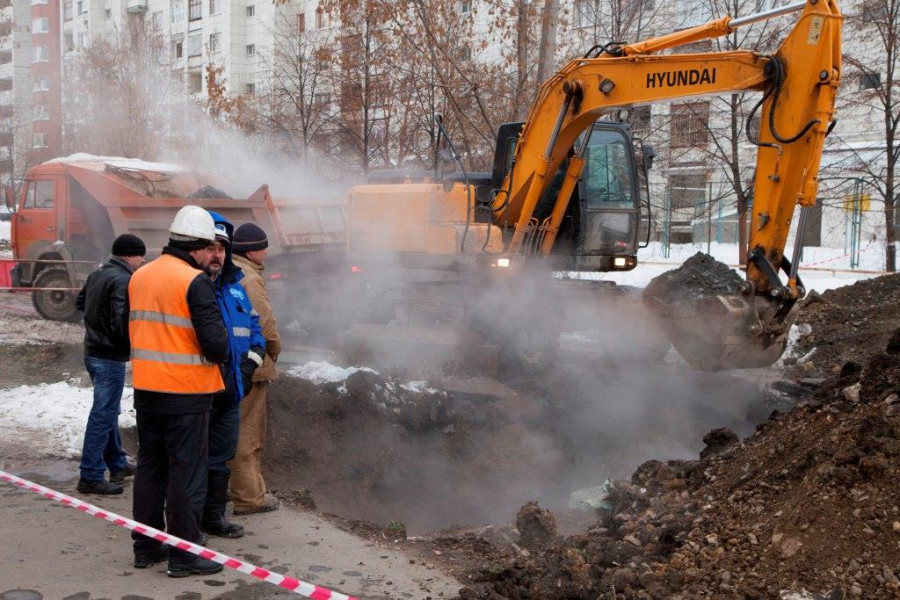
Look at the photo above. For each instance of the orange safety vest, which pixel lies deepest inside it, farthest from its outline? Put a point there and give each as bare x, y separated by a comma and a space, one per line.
165, 354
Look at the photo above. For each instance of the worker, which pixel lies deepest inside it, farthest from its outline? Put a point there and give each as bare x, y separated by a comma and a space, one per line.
178, 341
104, 302
247, 347
248, 489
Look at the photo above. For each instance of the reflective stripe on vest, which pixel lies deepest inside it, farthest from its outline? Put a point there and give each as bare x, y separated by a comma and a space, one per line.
165, 353
169, 357
241, 331
158, 317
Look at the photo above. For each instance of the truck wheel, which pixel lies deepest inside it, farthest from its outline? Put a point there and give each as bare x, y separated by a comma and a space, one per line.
55, 305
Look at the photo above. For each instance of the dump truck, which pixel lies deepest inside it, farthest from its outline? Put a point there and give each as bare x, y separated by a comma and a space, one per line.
70, 210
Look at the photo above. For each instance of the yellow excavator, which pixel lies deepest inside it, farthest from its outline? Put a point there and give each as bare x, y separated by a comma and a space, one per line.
457, 253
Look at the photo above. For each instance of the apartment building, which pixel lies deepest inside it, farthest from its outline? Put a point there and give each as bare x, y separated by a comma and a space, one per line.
15, 88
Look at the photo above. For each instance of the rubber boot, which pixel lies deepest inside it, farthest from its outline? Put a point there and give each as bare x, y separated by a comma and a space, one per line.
214, 521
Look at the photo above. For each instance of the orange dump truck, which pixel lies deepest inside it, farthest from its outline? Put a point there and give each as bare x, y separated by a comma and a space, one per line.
71, 209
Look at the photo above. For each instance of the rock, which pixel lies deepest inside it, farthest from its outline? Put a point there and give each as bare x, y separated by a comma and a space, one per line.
718, 440
851, 393
537, 526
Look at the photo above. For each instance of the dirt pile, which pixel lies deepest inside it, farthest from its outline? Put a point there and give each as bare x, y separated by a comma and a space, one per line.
700, 276
807, 502
850, 323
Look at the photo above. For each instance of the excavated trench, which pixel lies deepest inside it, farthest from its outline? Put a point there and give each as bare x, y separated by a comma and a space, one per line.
473, 451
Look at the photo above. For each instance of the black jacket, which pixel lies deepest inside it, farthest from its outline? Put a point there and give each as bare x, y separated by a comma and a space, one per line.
213, 339
104, 302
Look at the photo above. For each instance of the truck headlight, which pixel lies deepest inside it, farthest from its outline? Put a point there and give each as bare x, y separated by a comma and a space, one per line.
502, 262
619, 261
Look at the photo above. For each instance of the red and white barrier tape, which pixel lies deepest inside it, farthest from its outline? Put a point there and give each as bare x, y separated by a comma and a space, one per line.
289, 583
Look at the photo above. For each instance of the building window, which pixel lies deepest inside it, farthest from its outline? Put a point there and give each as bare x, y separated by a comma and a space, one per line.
251, 49
465, 6
320, 18
34, 2
251, 11
81, 9
465, 52
869, 81
177, 11
689, 125
322, 100
214, 44
648, 4
251, 88
215, 7
195, 10
83, 39
41, 25
195, 82
41, 53
194, 44
41, 85
68, 41
178, 49
67, 10
687, 190
40, 140
107, 13
156, 20
40, 113
301, 22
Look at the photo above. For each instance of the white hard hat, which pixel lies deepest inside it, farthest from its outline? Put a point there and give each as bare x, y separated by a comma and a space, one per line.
193, 223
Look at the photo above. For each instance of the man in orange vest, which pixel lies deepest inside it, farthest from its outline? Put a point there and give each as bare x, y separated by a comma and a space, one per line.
178, 340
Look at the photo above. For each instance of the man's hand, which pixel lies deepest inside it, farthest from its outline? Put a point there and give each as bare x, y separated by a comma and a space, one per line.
251, 361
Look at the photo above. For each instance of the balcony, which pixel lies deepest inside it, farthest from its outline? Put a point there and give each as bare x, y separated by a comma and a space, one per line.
136, 6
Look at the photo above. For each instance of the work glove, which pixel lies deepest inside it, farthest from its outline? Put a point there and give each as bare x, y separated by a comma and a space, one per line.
249, 363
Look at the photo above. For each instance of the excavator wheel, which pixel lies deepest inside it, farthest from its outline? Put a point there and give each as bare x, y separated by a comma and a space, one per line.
55, 305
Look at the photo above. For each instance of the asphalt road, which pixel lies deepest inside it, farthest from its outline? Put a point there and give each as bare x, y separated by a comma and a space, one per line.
58, 552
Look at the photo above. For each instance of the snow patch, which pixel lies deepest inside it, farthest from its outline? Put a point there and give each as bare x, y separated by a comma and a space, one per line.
325, 372
418, 387
119, 162
53, 416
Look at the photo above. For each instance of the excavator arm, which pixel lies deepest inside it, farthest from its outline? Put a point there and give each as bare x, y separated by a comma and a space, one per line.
799, 84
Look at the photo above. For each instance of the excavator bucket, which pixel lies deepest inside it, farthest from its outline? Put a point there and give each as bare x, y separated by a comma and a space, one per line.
711, 324
720, 332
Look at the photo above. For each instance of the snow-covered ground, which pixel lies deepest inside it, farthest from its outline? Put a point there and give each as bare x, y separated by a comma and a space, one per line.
51, 417
324, 372
820, 268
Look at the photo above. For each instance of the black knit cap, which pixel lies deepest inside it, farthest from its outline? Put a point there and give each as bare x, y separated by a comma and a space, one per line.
249, 237
129, 245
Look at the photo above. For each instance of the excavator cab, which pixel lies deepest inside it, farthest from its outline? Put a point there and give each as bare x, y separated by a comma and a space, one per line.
600, 229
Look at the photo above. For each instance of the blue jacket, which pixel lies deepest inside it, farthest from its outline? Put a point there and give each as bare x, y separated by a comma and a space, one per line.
241, 321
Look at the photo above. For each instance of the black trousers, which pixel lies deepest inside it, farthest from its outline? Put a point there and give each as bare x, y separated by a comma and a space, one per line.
170, 483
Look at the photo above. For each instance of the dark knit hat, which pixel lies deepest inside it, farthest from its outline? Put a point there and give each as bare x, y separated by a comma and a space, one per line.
249, 237
128, 245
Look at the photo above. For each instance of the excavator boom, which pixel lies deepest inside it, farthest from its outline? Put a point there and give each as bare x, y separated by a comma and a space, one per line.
799, 83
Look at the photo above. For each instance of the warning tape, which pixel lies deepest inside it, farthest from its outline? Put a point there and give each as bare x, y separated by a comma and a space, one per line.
289, 583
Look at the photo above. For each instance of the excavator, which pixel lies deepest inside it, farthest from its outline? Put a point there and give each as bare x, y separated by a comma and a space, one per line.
468, 255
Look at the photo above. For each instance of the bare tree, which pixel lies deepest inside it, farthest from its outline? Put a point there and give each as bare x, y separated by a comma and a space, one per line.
870, 94
118, 93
